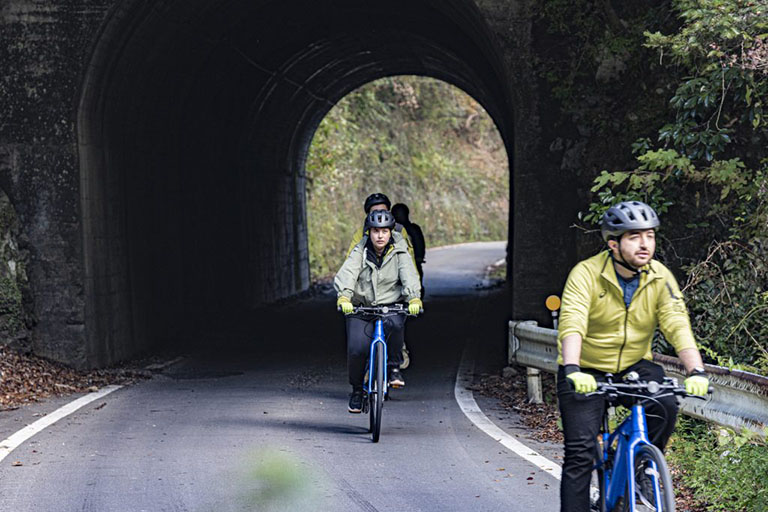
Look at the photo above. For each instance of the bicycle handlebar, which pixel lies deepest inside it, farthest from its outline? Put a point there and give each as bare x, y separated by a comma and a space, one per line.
632, 385
396, 309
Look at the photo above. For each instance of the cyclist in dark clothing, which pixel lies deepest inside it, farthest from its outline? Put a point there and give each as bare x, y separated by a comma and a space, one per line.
401, 212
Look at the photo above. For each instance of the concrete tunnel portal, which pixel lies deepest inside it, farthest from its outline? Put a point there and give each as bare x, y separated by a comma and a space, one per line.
194, 123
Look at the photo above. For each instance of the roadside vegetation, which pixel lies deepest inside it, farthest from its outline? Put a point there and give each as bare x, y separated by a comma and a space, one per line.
708, 164
422, 142
705, 169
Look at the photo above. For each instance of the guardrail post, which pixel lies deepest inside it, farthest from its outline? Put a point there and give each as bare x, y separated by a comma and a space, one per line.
535, 395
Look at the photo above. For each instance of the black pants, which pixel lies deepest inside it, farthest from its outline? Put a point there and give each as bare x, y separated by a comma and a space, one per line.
360, 331
582, 417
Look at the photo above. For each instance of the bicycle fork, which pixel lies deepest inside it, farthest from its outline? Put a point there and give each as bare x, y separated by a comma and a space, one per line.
621, 483
378, 337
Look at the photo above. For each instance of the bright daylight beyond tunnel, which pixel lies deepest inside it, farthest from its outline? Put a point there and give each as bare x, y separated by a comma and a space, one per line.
422, 142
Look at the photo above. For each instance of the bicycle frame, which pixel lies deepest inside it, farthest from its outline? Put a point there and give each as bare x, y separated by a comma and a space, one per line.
378, 337
620, 478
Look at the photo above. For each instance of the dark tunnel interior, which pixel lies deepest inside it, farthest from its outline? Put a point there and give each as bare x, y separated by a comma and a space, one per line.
194, 123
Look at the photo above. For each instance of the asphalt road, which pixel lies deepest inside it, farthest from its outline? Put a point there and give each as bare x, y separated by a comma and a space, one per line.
257, 420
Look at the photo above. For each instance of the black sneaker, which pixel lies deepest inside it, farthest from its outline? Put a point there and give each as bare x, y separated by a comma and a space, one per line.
396, 379
356, 401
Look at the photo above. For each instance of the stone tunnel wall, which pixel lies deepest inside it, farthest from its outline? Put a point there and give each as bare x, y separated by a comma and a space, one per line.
44, 48
110, 274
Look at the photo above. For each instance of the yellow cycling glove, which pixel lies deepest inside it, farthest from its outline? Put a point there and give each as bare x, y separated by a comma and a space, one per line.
697, 385
415, 306
582, 382
345, 305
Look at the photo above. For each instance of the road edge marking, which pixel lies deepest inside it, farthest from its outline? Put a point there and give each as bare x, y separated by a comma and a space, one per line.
13, 442
466, 400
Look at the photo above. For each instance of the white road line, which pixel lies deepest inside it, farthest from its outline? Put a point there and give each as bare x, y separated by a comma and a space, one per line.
471, 410
10, 444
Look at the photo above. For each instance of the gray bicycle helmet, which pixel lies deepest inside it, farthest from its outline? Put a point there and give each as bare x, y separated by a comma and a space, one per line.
374, 199
627, 216
380, 219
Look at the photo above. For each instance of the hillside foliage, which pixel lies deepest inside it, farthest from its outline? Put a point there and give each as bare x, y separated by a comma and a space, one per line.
420, 141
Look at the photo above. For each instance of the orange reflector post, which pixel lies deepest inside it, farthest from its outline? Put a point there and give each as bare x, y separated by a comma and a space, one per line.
553, 303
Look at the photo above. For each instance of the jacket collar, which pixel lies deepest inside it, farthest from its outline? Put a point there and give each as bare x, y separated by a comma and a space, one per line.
648, 272
373, 258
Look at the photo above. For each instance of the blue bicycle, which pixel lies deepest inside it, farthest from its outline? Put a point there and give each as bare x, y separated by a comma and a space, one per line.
377, 387
631, 473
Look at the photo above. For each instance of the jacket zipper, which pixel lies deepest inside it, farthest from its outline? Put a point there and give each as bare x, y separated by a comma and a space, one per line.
626, 309
621, 350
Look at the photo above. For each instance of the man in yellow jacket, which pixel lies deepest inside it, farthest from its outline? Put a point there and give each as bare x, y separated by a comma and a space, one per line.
612, 304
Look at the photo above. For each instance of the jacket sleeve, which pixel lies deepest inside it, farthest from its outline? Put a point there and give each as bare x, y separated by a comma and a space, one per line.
673, 315
577, 298
346, 278
409, 277
355, 240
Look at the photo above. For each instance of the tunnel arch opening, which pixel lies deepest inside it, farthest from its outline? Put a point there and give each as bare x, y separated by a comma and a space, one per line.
194, 123
421, 141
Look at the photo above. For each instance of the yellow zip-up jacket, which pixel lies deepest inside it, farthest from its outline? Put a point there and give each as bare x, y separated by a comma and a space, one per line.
614, 337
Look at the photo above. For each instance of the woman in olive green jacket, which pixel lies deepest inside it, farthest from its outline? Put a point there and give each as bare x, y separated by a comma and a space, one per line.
379, 271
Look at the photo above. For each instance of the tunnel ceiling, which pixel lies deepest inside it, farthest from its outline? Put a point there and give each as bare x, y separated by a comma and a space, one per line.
195, 119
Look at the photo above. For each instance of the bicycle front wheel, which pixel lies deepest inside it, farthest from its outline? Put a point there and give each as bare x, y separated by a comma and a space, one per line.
653, 482
377, 394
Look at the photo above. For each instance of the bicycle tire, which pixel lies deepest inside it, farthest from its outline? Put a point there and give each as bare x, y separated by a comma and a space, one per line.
371, 412
371, 400
380, 365
597, 501
646, 454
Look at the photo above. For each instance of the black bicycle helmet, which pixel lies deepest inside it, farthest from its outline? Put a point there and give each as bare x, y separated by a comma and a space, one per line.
380, 219
627, 216
377, 198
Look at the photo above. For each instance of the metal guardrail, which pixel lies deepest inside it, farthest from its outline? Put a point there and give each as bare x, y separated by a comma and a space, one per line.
739, 399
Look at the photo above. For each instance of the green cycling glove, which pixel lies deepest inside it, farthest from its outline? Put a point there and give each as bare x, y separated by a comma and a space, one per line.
697, 385
345, 305
415, 306
582, 382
